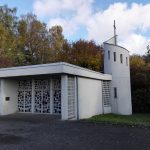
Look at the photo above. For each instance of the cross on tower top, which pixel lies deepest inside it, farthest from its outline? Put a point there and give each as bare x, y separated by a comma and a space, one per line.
115, 36
114, 28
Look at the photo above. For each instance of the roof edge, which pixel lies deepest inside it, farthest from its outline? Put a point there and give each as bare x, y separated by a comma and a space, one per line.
116, 45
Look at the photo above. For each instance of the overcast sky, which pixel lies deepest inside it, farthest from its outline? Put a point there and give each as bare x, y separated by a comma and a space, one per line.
93, 19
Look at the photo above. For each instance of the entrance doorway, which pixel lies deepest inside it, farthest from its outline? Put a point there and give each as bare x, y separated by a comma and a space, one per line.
40, 96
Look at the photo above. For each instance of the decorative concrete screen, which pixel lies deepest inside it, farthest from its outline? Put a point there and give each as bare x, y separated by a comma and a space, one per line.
25, 96
57, 96
40, 96
71, 98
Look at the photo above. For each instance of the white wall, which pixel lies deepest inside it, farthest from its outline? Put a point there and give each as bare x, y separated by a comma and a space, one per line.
120, 78
107, 110
123, 100
8, 89
0, 97
89, 97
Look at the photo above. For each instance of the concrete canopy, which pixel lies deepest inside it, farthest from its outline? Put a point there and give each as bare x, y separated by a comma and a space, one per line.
53, 68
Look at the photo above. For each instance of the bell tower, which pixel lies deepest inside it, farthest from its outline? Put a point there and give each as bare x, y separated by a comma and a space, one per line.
116, 63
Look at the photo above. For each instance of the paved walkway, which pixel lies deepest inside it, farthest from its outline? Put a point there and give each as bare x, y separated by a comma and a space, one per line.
45, 132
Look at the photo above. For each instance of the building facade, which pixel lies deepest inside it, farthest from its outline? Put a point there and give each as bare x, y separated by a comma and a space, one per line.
67, 90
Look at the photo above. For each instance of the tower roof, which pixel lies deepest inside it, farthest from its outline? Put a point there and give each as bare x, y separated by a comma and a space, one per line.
113, 40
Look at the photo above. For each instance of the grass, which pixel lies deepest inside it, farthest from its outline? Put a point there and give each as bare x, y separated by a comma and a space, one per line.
133, 120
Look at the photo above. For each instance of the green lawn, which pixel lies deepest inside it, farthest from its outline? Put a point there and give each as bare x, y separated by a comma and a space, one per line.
135, 119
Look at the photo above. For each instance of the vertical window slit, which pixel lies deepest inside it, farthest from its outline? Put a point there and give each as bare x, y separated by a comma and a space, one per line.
114, 56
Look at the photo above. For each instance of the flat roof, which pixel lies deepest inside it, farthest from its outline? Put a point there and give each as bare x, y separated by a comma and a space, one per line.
52, 68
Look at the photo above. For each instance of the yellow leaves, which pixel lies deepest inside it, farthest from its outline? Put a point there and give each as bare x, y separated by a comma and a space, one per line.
136, 60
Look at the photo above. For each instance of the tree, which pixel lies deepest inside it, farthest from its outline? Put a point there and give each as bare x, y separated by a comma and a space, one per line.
8, 18
82, 53
66, 53
148, 50
139, 72
87, 54
33, 40
57, 42
8, 33
5, 62
140, 83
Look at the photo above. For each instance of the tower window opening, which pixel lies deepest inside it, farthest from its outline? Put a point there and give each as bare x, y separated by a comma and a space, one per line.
109, 55
127, 61
121, 58
114, 56
115, 92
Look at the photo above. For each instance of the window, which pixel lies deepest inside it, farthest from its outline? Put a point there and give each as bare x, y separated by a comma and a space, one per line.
115, 92
114, 56
109, 55
127, 61
121, 58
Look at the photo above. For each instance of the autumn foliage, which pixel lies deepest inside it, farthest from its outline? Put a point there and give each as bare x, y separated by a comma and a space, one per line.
140, 83
26, 41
